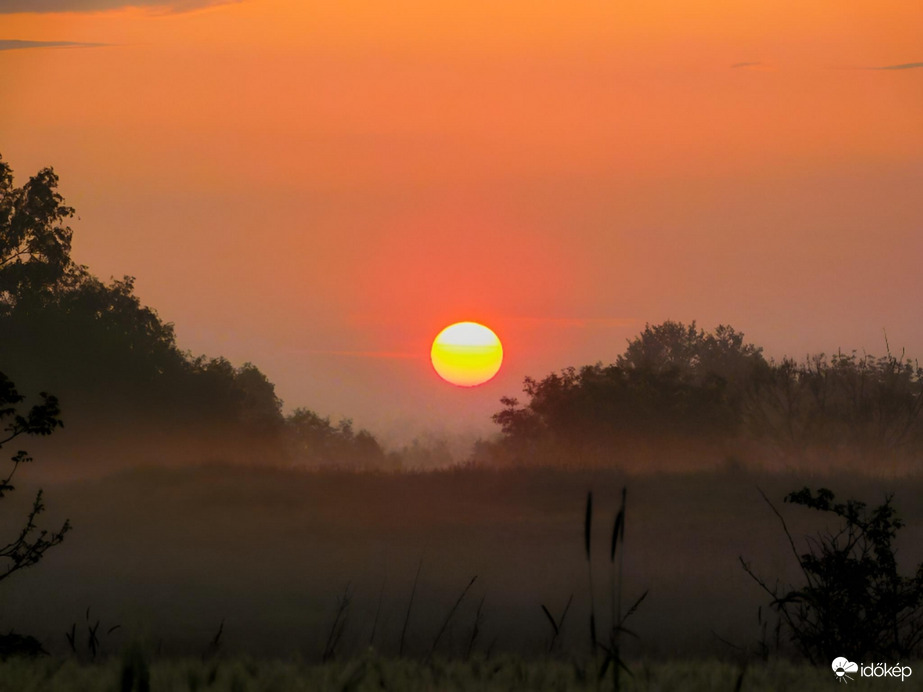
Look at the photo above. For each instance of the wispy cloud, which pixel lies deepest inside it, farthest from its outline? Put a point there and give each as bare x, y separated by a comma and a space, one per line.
738, 65
902, 66
45, 6
14, 44
578, 322
367, 354
889, 68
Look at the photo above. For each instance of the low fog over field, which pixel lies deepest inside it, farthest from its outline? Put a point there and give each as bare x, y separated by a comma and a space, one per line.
171, 554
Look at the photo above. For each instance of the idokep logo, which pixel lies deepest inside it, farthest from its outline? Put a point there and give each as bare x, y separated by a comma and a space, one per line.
842, 667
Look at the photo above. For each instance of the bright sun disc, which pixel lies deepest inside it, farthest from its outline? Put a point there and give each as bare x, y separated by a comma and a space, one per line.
466, 354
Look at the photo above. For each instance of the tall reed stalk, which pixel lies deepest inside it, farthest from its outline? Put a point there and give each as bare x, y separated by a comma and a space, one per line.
413, 592
618, 536
587, 533
612, 648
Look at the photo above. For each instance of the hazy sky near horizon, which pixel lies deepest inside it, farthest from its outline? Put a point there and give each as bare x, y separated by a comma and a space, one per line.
320, 187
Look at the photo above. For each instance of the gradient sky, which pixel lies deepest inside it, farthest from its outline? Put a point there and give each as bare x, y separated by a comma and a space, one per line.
320, 187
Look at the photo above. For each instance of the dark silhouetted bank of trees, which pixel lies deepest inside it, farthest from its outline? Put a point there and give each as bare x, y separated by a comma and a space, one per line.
114, 364
677, 387
93, 343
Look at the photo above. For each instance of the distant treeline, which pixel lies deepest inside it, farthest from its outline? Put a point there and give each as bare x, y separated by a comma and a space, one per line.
678, 386
115, 366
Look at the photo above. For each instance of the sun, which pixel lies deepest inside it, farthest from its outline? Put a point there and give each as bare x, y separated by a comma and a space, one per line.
466, 354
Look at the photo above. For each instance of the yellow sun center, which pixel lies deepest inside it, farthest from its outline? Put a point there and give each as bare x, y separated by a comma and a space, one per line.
467, 354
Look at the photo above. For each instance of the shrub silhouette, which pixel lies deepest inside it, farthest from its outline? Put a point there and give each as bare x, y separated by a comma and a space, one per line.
853, 601
27, 547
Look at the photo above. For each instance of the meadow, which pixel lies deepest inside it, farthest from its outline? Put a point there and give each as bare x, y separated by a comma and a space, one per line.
370, 672
304, 574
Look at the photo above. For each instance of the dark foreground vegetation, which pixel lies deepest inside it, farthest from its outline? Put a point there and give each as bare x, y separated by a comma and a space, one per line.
371, 672
281, 556
226, 577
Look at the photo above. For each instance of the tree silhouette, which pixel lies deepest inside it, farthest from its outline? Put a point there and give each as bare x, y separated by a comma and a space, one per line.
29, 543
867, 406
97, 345
673, 380
35, 243
315, 441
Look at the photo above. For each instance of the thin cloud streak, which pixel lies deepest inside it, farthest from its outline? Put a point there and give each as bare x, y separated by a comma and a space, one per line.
16, 44
367, 354
902, 66
49, 6
738, 65
578, 322
888, 68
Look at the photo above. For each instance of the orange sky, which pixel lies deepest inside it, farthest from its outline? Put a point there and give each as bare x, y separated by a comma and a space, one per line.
320, 187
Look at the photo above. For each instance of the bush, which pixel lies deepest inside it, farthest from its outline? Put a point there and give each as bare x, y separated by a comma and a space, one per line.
853, 601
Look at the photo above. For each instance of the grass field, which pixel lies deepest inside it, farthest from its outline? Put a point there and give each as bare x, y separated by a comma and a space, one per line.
370, 672
166, 556
169, 555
